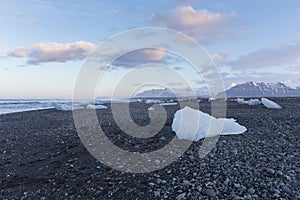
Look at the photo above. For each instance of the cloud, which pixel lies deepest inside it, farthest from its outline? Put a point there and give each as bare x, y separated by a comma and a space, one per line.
284, 55
53, 52
141, 56
145, 55
220, 57
57, 52
203, 25
295, 68
294, 83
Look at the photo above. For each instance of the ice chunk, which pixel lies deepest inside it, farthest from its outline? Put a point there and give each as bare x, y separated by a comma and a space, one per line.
151, 108
168, 104
148, 101
251, 102
194, 125
254, 102
96, 107
270, 104
241, 101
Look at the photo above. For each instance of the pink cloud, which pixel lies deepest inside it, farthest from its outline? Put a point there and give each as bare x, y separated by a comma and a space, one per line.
204, 25
141, 56
145, 55
53, 52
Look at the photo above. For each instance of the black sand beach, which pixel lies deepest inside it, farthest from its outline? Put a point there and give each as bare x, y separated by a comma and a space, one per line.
42, 157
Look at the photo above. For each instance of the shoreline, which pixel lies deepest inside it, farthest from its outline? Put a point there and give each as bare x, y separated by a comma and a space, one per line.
44, 158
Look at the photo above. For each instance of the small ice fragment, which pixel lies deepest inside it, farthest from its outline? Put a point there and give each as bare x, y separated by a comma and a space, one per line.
168, 104
151, 108
148, 101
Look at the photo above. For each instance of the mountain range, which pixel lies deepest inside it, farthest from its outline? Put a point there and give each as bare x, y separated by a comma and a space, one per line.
248, 89
253, 89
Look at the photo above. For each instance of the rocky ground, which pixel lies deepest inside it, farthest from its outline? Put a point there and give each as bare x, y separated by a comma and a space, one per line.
42, 157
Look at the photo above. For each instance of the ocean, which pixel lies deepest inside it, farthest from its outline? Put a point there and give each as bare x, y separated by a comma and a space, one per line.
20, 105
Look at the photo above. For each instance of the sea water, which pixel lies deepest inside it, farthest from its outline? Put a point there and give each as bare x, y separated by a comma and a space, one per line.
20, 105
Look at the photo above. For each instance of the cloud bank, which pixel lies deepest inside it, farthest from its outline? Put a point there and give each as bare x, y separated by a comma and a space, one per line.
284, 55
58, 52
53, 52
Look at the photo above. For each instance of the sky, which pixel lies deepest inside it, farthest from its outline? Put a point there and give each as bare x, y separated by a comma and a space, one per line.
43, 44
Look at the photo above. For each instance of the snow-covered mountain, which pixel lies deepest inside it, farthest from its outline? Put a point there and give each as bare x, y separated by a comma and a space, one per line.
167, 93
249, 89
252, 89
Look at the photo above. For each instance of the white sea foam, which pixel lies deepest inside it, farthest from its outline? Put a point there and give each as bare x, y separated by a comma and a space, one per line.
68, 107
